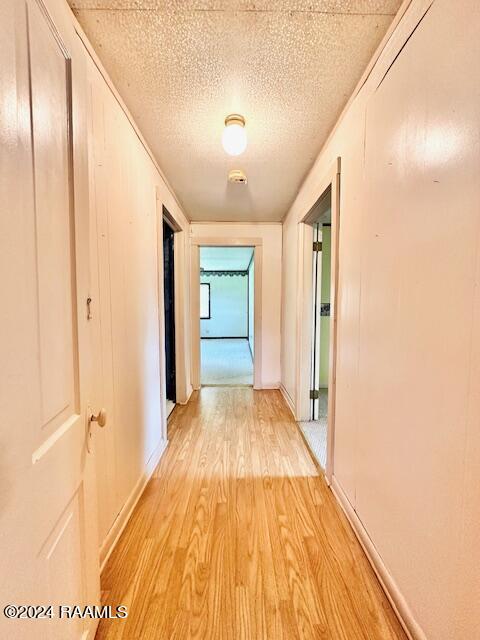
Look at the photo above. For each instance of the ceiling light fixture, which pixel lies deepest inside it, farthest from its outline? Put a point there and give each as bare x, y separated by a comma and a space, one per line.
234, 138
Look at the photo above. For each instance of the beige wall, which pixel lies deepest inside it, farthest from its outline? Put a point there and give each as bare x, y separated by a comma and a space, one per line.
271, 235
289, 308
126, 196
407, 437
127, 191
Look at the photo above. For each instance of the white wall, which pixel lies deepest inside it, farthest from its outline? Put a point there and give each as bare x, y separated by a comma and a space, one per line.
251, 305
127, 192
407, 438
271, 235
288, 307
228, 307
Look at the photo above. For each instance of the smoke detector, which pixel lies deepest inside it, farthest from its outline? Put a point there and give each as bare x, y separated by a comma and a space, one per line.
237, 176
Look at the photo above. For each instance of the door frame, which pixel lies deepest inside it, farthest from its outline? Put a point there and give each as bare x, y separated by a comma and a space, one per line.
167, 222
257, 245
304, 309
316, 330
179, 278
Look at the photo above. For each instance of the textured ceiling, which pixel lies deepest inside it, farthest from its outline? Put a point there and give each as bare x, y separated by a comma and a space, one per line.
225, 258
288, 66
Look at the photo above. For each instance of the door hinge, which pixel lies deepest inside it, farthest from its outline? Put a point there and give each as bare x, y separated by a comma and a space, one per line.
317, 246
314, 394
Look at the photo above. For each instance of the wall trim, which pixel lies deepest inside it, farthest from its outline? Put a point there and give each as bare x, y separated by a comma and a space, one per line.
288, 400
223, 337
189, 395
195, 244
387, 581
214, 241
123, 517
270, 386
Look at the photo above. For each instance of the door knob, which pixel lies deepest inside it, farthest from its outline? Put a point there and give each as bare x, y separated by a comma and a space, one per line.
100, 418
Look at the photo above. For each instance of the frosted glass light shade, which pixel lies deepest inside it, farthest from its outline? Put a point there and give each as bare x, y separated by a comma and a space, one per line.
234, 137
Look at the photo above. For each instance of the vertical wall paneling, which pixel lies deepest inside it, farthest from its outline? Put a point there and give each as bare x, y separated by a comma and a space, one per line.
408, 334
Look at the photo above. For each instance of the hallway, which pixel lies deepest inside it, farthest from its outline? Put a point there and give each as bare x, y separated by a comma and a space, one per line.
236, 536
240, 337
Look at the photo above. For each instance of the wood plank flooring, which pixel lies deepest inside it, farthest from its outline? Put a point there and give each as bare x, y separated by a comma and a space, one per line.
237, 537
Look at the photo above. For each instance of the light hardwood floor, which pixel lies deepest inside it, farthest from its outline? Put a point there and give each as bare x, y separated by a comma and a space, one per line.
237, 537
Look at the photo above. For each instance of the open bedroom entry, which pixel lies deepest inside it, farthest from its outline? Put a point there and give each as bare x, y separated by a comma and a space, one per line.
315, 428
226, 316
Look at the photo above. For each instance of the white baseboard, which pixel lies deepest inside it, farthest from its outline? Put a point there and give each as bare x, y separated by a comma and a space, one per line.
288, 400
124, 516
270, 385
398, 602
187, 399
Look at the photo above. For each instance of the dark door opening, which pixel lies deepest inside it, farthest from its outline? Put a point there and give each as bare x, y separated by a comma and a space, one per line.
169, 302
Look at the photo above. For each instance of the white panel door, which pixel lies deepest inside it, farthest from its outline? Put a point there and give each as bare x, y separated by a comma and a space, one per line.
47, 506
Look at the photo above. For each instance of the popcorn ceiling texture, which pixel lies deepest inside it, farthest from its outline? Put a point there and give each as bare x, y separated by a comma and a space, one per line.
288, 66
275, 6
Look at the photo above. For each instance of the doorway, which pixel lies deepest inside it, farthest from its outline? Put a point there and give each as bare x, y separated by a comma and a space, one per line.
169, 308
227, 316
315, 429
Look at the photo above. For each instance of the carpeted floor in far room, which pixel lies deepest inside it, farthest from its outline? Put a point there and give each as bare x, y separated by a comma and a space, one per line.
226, 361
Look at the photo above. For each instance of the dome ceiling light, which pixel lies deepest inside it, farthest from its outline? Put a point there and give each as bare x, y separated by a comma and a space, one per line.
234, 137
